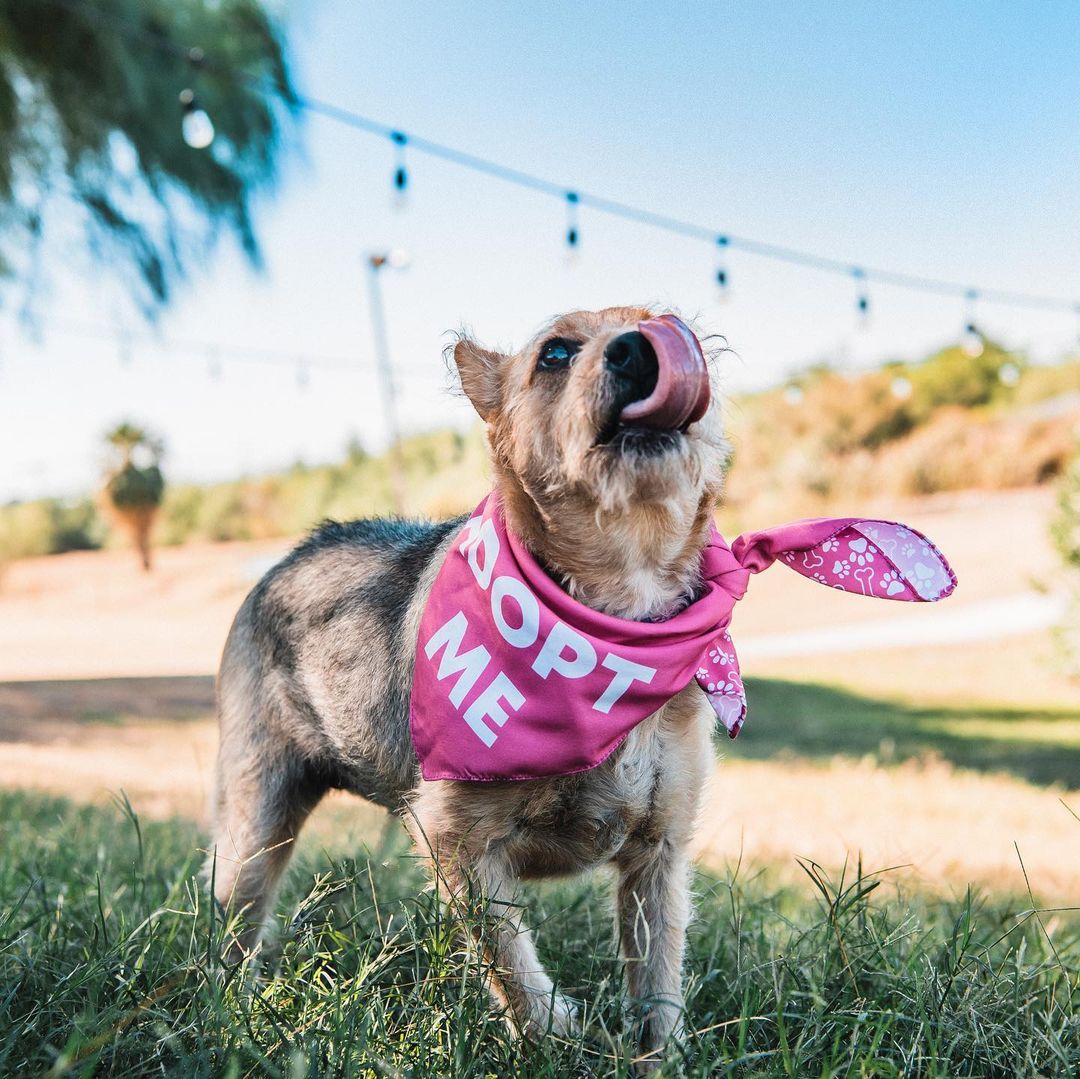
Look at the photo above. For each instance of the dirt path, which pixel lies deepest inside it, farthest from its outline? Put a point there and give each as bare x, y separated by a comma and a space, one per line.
95, 614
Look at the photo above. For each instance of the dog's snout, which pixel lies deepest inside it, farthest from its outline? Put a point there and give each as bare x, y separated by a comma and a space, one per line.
631, 360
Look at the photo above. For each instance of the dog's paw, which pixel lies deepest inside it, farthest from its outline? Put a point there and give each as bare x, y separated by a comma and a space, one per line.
564, 1016
551, 1013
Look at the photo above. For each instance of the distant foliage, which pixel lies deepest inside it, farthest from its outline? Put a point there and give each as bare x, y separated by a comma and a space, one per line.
906, 429
49, 526
132, 487
445, 473
953, 377
90, 111
950, 422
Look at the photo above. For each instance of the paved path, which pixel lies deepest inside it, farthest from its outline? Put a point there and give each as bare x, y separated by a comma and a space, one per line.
994, 619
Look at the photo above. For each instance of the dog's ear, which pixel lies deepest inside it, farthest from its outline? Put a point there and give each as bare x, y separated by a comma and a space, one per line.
481, 376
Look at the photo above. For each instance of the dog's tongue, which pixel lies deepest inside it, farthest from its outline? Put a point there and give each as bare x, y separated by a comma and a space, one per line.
681, 394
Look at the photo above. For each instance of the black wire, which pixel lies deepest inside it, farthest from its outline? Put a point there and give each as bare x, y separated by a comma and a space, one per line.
217, 351
613, 207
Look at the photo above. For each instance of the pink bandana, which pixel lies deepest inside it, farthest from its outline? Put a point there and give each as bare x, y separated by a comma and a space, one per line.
515, 679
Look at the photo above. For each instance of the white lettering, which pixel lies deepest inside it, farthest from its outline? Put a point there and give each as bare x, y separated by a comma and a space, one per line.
483, 538
626, 672
524, 635
551, 657
470, 665
487, 706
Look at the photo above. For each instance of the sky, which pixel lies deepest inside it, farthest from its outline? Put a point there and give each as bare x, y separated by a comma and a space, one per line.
939, 138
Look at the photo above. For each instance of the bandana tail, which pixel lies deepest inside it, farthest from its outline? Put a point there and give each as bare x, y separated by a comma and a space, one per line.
881, 559
720, 678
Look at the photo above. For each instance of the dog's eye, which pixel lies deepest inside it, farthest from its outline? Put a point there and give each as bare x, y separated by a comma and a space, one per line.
557, 353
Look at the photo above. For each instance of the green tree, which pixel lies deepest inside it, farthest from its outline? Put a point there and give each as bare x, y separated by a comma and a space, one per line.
134, 484
92, 97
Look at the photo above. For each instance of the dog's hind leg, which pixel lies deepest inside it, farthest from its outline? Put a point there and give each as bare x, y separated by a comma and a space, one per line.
266, 787
261, 806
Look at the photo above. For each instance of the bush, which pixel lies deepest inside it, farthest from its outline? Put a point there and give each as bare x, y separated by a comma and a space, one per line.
49, 526
952, 377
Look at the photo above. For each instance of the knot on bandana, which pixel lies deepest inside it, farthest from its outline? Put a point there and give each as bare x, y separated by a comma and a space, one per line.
515, 679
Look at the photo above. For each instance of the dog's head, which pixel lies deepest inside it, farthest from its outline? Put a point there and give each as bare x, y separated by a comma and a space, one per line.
611, 406
606, 417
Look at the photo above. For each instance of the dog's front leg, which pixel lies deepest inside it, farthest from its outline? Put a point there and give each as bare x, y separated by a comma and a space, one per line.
653, 908
518, 979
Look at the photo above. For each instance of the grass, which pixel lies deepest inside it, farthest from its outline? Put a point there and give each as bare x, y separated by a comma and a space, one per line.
1041, 745
109, 965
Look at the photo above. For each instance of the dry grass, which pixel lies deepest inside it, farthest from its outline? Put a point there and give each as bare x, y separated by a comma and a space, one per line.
950, 827
947, 827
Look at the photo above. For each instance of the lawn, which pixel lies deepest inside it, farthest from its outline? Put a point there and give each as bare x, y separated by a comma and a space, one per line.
109, 965
110, 953
1039, 744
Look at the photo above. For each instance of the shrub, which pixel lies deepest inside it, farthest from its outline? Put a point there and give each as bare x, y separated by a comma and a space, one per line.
49, 526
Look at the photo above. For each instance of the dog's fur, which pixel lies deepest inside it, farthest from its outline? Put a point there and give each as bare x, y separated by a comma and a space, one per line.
314, 683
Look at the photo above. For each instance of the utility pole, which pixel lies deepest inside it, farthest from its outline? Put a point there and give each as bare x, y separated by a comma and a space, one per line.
377, 261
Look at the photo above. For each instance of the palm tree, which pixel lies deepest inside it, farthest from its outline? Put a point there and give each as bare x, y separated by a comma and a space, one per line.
134, 485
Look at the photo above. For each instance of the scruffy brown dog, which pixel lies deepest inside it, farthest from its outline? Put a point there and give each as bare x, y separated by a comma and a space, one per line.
315, 680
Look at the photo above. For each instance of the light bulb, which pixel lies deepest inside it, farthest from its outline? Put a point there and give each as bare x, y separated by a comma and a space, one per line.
862, 299
198, 129
196, 125
722, 280
573, 236
972, 341
1009, 374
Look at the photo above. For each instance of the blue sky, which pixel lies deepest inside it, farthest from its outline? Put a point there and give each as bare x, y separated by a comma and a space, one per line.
935, 138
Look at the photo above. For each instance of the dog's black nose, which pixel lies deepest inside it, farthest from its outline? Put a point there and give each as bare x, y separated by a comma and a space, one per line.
631, 360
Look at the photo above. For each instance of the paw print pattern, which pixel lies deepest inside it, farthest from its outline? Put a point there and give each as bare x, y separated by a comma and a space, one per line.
718, 675
719, 655
891, 583
862, 553
878, 558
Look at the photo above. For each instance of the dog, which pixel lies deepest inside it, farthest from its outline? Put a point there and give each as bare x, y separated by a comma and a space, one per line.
314, 684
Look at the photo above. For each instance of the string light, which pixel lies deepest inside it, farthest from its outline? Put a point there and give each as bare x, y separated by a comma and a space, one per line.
862, 297
401, 173
195, 125
901, 388
573, 236
211, 352
494, 169
1009, 374
971, 341
722, 279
